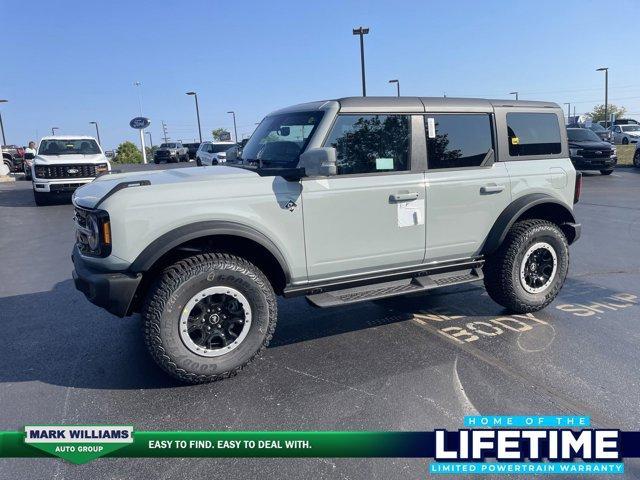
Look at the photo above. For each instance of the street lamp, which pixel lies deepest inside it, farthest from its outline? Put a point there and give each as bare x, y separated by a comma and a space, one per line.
568, 110
97, 132
150, 139
53, 130
606, 93
235, 130
514, 93
362, 31
197, 113
397, 82
4, 140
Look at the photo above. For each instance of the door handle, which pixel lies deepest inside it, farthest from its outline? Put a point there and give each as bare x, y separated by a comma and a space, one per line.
404, 197
488, 189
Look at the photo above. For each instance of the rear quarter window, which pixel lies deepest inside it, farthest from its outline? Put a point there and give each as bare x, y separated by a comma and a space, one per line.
533, 134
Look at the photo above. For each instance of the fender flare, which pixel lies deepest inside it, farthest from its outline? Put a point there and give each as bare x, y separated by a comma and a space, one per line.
168, 241
514, 211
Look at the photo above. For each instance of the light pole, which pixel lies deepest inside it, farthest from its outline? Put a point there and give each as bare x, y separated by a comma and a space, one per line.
568, 110
150, 140
362, 31
514, 93
397, 82
53, 130
606, 93
235, 130
4, 140
97, 132
197, 114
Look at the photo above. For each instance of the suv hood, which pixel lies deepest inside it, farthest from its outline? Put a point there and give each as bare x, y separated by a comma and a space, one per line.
90, 194
69, 159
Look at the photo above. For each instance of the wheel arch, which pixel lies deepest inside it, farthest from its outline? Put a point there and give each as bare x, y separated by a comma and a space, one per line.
535, 205
224, 236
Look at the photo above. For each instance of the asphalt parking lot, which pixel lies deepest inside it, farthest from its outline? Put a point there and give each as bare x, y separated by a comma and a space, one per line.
407, 364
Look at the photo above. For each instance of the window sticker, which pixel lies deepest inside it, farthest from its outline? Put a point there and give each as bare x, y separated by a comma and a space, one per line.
384, 163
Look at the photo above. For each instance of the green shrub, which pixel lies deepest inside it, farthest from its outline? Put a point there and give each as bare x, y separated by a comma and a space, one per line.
127, 152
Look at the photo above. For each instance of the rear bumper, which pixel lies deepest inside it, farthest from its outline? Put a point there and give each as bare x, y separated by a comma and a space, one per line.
113, 291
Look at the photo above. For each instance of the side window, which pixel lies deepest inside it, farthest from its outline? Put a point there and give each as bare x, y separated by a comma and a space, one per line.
533, 134
458, 140
371, 143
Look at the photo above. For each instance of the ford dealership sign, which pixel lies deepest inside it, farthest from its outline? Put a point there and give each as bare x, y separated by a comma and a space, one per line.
139, 123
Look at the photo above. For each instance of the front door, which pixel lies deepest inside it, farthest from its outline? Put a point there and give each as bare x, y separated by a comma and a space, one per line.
466, 188
370, 216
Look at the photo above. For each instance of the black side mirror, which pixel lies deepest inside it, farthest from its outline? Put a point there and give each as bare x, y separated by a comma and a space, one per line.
29, 156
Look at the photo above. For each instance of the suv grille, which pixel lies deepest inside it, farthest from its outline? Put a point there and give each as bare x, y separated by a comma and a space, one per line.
595, 153
66, 171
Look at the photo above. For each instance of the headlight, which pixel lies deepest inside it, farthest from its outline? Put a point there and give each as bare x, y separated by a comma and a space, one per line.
102, 168
93, 232
40, 171
613, 150
573, 152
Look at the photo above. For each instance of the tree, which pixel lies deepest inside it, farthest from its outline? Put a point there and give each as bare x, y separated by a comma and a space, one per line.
598, 112
127, 152
220, 133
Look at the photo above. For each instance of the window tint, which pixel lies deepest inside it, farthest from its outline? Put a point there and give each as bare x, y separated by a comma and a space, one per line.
462, 140
370, 143
533, 134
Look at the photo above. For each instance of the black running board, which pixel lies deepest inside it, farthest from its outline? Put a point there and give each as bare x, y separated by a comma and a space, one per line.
404, 286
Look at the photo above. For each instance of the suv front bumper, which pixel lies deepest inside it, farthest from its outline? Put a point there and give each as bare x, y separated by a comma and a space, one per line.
113, 291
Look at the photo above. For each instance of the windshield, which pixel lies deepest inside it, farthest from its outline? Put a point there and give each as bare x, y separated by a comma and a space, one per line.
82, 146
219, 148
279, 139
630, 128
582, 135
596, 127
168, 145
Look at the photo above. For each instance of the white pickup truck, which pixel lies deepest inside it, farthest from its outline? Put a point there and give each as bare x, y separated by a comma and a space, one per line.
64, 163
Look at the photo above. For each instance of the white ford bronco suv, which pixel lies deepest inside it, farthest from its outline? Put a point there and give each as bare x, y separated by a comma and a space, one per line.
64, 163
342, 201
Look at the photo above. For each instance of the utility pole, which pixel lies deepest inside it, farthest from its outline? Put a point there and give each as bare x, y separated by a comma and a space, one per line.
235, 129
164, 131
150, 140
362, 31
568, 111
606, 94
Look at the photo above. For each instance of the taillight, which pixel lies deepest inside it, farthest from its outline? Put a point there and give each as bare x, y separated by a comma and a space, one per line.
578, 187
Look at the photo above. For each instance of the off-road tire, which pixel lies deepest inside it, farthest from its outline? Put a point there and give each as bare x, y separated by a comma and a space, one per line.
41, 198
181, 281
502, 269
606, 172
636, 158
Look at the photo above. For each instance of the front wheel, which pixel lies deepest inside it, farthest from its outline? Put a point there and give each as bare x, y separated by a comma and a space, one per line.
606, 172
41, 198
625, 141
528, 270
208, 317
636, 158
198, 162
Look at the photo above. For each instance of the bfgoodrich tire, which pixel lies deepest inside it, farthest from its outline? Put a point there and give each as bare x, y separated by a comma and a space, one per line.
208, 317
528, 270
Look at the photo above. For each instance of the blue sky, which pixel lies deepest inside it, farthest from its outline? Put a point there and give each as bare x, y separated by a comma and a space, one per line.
67, 63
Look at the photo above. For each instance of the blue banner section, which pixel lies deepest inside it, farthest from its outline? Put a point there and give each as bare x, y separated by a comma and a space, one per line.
526, 421
526, 468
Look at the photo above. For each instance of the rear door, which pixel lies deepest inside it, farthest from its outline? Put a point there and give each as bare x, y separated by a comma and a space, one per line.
370, 216
466, 188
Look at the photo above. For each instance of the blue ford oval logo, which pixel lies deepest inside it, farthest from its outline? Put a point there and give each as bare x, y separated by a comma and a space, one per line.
72, 170
139, 123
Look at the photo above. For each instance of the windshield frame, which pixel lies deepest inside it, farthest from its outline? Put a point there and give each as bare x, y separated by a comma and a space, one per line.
264, 130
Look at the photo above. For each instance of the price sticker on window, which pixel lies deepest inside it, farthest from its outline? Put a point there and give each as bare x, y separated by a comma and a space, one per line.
431, 127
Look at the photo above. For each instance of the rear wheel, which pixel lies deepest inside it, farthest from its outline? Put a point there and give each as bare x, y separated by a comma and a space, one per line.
208, 317
625, 141
606, 172
198, 162
528, 270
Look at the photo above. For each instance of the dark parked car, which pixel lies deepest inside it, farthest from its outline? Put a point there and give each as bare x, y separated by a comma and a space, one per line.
589, 152
192, 149
602, 132
13, 157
